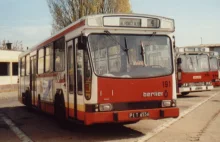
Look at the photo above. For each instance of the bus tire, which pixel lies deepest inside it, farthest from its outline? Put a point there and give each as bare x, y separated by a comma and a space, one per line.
59, 110
184, 93
28, 100
24, 98
39, 102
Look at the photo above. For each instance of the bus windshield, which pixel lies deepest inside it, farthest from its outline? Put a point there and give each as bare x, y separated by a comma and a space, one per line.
213, 64
194, 63
130, 56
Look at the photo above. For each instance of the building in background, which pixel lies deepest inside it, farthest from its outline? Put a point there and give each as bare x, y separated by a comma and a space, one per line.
9, 67
212, 47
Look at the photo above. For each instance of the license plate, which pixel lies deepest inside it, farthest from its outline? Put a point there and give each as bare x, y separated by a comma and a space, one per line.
138, 114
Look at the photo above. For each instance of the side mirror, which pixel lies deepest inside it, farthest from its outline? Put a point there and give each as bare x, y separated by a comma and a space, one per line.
179, 61
82, 41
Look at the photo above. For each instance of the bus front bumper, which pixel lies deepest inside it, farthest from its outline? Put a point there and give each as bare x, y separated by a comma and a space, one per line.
130, 115
198, 88
210, 87
195, 88
184, 89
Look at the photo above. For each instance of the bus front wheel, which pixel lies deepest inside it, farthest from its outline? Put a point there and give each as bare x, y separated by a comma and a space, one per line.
28, 100
59, 110
39, 102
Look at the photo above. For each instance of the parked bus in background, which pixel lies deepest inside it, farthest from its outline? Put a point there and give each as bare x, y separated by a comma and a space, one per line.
193, 70
112, 68
214, 68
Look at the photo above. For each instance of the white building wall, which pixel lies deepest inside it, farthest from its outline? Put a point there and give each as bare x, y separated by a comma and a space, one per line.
10, 57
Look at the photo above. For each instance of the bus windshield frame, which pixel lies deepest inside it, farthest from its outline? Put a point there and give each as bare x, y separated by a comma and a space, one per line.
195, 62
130, 55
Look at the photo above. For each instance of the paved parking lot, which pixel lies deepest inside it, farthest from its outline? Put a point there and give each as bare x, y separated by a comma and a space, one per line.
197, 122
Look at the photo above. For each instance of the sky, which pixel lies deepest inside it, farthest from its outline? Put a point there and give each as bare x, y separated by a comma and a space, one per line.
30, 21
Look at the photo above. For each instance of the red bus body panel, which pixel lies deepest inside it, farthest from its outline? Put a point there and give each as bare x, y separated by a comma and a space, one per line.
194, 77
215, 78
131, 90
115, 90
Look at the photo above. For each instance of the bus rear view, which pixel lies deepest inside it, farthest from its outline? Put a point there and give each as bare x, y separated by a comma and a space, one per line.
193, 70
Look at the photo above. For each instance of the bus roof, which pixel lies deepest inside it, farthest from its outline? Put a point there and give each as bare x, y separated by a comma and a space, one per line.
206, 45
142, 21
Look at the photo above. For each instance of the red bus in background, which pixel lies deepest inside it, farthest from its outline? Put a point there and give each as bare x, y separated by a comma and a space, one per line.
193, 70
111, 68
214, 68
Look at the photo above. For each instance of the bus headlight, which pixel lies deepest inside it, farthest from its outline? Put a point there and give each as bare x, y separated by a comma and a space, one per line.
168, 103
105, 107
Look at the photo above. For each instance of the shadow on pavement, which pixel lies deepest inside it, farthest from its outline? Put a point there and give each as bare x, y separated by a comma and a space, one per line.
187, 96
33, 123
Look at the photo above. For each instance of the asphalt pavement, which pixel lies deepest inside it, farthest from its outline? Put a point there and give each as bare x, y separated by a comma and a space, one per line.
199, 121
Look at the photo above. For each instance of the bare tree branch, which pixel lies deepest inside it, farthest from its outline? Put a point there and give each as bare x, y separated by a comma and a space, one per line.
64, 12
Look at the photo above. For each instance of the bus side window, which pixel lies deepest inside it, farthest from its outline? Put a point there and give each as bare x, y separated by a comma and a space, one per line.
22, 66
41, 61
28, 65
87, 67
59, 46
88, 76
49, 59
70, 69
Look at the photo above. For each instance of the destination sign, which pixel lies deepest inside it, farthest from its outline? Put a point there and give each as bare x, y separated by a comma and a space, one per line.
130, 22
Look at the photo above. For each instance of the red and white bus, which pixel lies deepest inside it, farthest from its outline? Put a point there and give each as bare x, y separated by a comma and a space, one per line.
214, 68
113, 68
193, 69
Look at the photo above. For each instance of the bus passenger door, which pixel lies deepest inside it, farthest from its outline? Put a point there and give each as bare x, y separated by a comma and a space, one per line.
75, 81
79, 81
33, 79
71, 80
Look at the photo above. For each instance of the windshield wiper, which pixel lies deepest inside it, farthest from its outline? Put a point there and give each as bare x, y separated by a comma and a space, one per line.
142, 47
142, 53
124, 48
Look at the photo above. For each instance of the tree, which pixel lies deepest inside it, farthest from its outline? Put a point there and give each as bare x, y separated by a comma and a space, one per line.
64, 12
